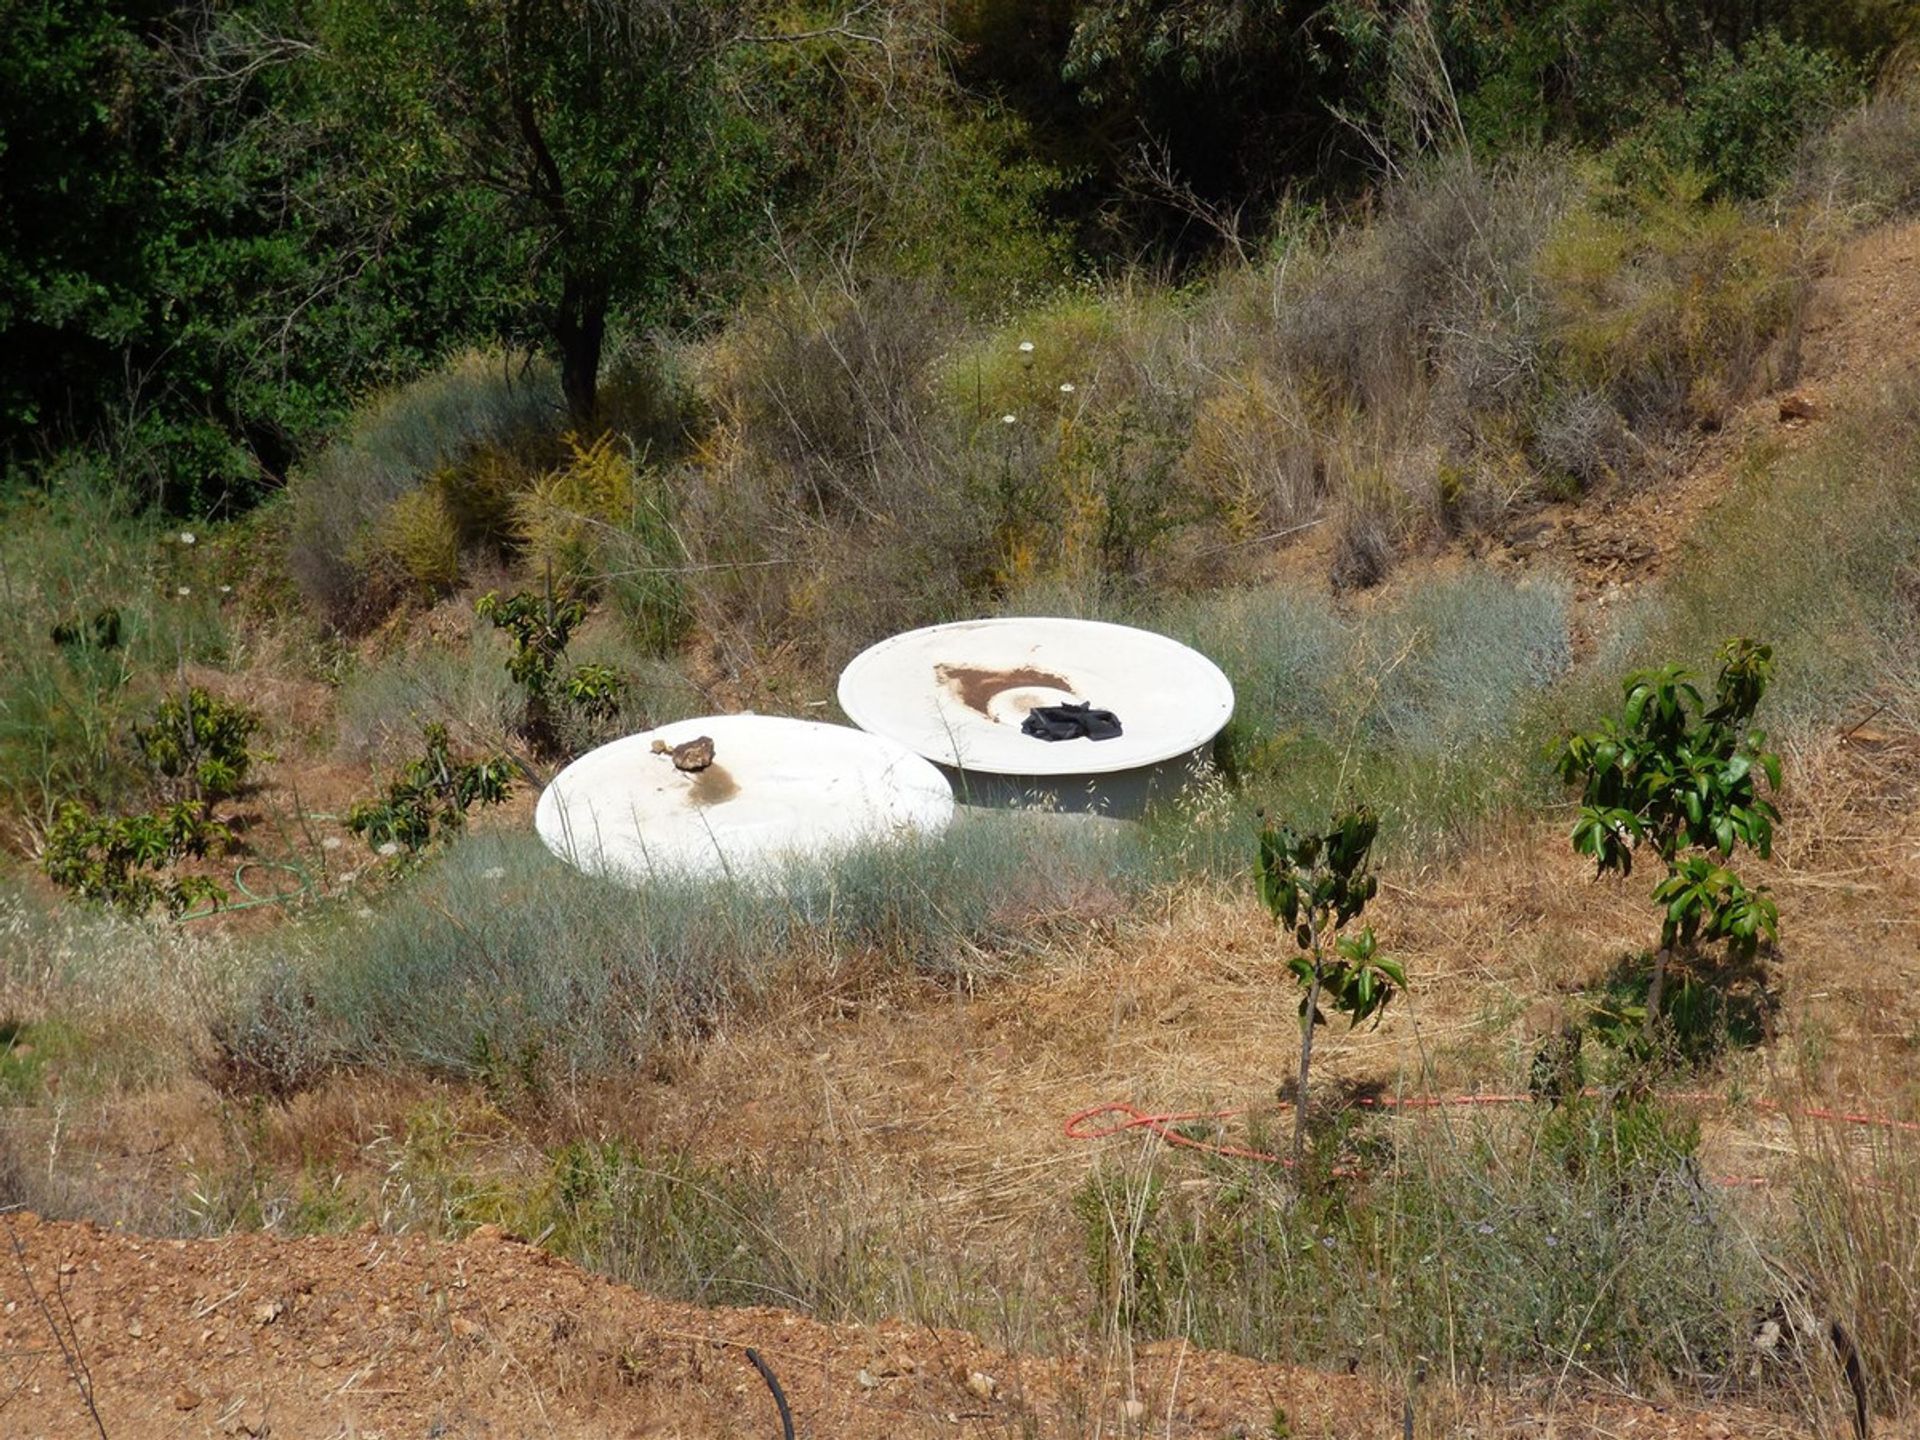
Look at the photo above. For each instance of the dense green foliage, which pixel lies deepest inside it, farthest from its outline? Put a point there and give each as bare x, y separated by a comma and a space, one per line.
195, 747
606, 150
226, 221
186, 285
192, 752
124, 861
1183, 121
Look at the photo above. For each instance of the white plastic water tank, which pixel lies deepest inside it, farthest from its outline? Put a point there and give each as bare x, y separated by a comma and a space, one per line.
959, 693
777, 791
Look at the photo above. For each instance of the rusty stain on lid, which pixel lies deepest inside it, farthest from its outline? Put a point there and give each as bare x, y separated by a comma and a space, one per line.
977, 685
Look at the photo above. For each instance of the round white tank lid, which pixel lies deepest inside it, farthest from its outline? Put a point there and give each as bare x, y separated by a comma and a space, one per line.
777, 791
958, 693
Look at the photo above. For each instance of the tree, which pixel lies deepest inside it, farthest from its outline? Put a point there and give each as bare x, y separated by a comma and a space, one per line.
608, 142
79, 151
1314, 885
1676, 776
190, 279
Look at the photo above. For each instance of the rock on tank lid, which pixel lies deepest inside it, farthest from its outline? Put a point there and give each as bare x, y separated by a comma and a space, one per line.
775, 791
958, 693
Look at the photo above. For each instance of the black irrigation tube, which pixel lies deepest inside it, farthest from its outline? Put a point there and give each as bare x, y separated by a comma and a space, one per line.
779, 1395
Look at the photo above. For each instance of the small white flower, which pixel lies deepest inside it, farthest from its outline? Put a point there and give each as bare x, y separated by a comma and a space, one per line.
332, 842
1006, 419
184, 590
226, 589
186, 537
494, 872
364, 913
1026, 347
392, 847
1066, 387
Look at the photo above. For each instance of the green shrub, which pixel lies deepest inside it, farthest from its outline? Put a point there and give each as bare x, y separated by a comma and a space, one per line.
1680, 778
119, 861
539, 626
1747, 112
595, 692
193, 753
396, 446
197, 748
974, 215
430, 797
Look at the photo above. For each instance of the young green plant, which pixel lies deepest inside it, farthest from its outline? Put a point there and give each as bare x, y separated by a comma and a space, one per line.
127, 861
1315, 886
196, 747
1677, 776
431, 796
541, 625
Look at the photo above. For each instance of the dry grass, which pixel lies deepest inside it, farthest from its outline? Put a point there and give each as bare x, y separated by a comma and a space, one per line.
1857, 1256
907, 1130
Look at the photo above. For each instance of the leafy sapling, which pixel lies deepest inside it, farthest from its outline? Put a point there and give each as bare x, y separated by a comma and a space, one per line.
196, 752
1314, 886
196, 747
430, 797
127, 862
1677, 776
540, 626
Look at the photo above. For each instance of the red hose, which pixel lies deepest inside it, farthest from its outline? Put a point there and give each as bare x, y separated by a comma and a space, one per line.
1161, 1124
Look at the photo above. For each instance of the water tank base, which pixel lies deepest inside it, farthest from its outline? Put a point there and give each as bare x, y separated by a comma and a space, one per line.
1117, 794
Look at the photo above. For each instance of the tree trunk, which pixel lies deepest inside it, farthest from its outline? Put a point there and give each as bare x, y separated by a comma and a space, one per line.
1306, 1064
1656, 990
579, 329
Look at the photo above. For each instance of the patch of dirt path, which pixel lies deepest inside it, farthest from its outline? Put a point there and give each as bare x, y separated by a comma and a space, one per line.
379, 1337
